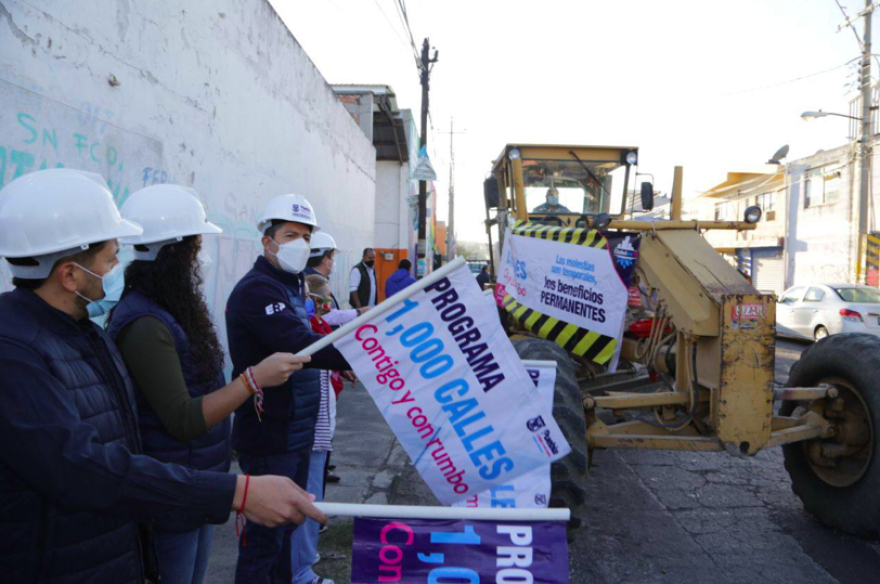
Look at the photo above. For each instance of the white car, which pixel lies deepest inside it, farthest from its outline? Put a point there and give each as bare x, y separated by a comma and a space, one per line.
818, 310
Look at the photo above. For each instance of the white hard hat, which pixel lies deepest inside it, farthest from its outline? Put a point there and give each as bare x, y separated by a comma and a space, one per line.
168, 213
320, 243
54, 213
288, 208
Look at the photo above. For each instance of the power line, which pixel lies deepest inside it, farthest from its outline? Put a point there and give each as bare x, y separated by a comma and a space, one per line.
771, 86
848, 22
400, 5
385, 16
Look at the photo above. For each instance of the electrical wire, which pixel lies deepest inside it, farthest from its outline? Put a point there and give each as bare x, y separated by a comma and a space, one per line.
388, 20
400, 5
849, 23
796, 79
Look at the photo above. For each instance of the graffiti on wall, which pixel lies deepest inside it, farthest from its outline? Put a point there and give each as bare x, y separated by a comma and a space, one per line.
37, 132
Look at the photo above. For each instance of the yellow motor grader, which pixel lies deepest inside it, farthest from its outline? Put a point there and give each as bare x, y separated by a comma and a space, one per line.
703, 378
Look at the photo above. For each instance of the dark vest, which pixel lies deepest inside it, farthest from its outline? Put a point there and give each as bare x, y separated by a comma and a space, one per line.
43, 539
306, 392
211, 451
364, 289
291, 409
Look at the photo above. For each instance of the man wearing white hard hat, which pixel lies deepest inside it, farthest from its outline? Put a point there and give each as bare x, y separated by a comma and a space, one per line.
266, 313
164, 331
322, 260
75, 482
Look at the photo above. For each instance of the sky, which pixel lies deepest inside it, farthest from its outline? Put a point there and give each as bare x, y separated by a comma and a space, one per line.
714, 86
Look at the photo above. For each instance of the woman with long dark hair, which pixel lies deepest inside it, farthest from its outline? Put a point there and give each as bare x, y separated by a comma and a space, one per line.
164, 331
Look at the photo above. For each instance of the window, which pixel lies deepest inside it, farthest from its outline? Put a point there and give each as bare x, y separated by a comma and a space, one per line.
814, 295
725, 212
767, 201
792, 295
862, 295
821, 187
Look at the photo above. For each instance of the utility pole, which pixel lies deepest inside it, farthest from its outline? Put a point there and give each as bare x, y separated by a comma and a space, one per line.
450, 228
425, 65
865, 136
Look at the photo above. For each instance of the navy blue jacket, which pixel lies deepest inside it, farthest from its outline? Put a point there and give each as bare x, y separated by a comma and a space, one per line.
397, 282
265, 315
72, 483
211, 451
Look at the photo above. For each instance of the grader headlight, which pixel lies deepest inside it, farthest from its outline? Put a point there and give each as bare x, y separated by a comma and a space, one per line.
753, 214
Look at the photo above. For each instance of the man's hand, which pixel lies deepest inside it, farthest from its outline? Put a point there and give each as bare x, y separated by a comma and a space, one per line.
273, 501
348, 376
362, 310
276, 368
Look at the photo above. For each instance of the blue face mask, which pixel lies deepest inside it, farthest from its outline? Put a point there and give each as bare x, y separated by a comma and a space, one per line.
113, 282
310, 308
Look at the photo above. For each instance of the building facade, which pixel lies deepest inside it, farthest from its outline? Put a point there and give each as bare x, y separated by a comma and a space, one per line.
219, 97
758, 253
394, 134
809, 229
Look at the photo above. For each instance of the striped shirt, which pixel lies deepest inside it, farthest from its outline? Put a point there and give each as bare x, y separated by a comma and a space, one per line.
326, 423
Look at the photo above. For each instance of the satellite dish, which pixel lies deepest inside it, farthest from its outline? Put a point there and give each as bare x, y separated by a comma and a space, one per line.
780, 154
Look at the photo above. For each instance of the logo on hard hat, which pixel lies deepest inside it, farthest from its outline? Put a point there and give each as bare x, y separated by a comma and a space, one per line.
297, 207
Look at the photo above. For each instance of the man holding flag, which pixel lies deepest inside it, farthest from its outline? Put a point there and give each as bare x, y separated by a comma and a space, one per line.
439, 366
273, 433
461, 402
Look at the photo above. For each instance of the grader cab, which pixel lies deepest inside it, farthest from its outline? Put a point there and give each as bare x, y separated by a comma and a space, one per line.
700, 376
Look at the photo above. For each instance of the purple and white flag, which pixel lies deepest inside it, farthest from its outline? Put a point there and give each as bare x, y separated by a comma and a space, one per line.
451, 551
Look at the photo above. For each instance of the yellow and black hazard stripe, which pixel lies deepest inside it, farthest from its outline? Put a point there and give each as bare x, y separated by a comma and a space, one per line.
872, 251
573, 235
574, 339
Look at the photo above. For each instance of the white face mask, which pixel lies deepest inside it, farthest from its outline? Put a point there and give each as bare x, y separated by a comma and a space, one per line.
205, 261
112, 282
293, 255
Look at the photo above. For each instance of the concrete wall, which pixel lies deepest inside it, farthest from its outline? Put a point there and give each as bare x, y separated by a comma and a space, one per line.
396, 227
820, 246
389, 179
214, 95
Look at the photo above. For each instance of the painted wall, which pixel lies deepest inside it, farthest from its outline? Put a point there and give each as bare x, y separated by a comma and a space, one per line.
216, 95
389, 181
820, 246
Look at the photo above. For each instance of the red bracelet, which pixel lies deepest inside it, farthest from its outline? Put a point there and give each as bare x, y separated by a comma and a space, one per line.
250, 383
240, 519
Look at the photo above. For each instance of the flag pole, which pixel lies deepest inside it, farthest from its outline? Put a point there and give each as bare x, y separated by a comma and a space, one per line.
384, 307
457, 513
538, 363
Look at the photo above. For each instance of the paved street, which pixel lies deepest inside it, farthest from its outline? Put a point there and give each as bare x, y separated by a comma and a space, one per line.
654, 517
700, 517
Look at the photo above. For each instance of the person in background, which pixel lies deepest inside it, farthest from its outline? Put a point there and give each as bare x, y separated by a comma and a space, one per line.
74, 482
164, 332
322, 259
265, 314
362, 281
483, 277
400, 279
551, 203
320, 292
304, 543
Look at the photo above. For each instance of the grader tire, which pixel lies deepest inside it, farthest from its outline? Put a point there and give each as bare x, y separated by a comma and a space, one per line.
568, 475
842, 497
